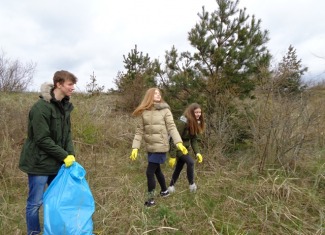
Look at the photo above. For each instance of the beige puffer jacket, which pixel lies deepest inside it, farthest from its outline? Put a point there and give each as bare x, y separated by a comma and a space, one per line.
155, 127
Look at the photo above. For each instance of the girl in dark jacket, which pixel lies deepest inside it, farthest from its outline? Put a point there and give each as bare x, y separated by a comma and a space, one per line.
190, 125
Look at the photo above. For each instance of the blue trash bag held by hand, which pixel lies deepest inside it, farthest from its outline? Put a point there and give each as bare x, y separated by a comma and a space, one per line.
68, 203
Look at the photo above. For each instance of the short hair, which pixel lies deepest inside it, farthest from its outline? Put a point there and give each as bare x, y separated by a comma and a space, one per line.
62, 76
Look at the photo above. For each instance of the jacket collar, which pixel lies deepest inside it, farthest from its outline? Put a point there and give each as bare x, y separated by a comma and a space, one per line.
160, 106
47, 93
46, 90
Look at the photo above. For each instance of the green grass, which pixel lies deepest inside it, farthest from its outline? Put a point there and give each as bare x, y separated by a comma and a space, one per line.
232, 196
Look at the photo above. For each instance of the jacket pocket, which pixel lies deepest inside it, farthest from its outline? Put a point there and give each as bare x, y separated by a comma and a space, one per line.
46, 161
55, 126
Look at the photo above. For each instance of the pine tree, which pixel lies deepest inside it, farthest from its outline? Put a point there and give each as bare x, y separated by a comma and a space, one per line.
288, 76
229, 52
140, 75
230, 48
180, 82
92, 87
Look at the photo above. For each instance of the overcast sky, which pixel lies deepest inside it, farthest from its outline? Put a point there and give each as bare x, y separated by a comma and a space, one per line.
83, 36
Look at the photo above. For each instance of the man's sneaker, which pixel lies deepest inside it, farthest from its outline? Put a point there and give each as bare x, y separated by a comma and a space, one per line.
193, 188
171, 189
150, 203
164, 194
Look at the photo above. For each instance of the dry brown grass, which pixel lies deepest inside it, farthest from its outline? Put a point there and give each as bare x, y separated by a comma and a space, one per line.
233, 197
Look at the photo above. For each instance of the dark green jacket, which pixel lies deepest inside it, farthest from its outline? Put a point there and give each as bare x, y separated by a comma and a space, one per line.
49, 135
188, 140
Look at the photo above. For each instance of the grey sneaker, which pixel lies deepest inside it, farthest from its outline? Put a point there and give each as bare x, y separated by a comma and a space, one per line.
193, 188
171, 189
164, 194
150, 203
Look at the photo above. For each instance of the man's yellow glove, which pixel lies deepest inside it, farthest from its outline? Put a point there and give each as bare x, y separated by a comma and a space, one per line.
172, 162
134, 154
68, 161
181, 147
199, 157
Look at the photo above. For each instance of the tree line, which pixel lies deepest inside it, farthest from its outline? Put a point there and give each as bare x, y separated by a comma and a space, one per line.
230, 63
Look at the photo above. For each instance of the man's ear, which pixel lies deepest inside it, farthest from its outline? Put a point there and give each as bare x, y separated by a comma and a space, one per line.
58, 85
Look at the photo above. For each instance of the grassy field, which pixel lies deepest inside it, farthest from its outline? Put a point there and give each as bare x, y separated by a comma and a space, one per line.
233, 196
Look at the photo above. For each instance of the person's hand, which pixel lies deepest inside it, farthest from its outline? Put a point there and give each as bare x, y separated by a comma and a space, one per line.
68, 161
172, 162
134, 154
181, 147
199, 157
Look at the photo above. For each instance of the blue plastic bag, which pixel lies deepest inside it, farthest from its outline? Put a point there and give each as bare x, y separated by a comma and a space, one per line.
68, 203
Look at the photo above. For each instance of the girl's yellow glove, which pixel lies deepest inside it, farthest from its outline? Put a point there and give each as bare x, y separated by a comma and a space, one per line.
199, 157
172, 162
181, 147
134, 154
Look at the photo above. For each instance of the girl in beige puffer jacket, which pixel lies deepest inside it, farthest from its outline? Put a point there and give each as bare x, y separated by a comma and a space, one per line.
154, 129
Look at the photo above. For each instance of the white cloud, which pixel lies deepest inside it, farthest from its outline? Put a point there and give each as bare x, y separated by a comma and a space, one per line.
85, 36
298, 23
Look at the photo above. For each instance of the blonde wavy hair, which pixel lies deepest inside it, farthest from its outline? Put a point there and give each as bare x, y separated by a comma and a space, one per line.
147, 101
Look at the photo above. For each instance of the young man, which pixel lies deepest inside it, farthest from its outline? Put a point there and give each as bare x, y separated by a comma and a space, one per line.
49, 143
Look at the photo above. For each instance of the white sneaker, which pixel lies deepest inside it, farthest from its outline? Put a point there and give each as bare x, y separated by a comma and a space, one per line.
171, 189
193, 188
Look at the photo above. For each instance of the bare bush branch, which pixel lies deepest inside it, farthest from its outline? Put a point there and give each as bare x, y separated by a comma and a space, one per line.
14, 75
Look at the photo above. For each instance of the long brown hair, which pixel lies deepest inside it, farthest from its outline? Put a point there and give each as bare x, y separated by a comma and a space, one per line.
147, 101
195, 126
